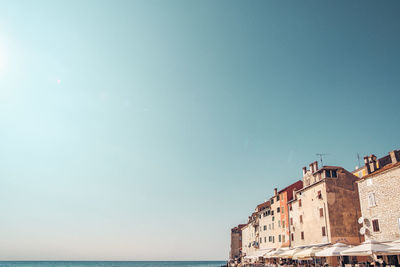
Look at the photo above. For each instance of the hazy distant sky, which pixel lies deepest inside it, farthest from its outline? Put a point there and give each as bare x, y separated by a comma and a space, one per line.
138, 130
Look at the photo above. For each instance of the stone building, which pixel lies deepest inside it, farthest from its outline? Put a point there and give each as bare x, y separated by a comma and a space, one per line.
325, 210
262, 221
379, 200
236, 242
286, 195
249, 244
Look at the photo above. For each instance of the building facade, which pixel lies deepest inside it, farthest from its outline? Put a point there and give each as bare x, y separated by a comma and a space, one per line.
286, 195
236, 242
380, 204
325, 210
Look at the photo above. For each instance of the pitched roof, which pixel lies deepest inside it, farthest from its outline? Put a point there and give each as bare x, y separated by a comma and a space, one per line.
263, 205
383, 169
292, 185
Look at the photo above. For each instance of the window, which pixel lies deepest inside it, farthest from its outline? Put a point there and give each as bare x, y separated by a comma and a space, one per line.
272, 226
302, 235
375, 225
301, 218
272, 212
273, 218
265, 227
273, 239
323, 231
269, 226
265, 239
279, 223
277, 198
290, 207
369, 181
278, 209
260, 240
283, 238
259, 216
282, 209
280, 239
291, 221
331, 173
270, 238
292, 236
371, 200
272, 200
299, 202
283, 224
321, 212
319, 195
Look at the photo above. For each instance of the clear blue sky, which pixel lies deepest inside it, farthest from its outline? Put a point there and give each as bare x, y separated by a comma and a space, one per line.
147, 129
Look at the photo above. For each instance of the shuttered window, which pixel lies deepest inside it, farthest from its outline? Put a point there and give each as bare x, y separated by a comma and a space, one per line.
371, 200
375, 225
321, 212
323, 231
302, 235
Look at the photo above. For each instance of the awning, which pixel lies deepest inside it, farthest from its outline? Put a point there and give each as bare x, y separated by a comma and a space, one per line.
275, 253
394, 246
333, 250
288, 253
258, 253
367, 248
306, 253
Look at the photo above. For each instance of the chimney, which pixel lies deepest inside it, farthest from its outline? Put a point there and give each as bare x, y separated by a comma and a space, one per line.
393, 157
372, 164
366, 162
312, 167
315, 166
275, 192
304, 170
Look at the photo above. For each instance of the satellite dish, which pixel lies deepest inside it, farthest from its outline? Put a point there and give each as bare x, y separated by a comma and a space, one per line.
367, 232
360, 220
363, 230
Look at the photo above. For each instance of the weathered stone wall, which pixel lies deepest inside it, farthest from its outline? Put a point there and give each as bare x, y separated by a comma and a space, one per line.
343, 208
312, 222
236, 243
329, 203
248, 236
386, 187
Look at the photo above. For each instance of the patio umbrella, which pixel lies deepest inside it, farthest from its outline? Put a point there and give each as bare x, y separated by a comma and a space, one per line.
288, 253
332, 251
394, 246
306, 253
367, 248
275, 253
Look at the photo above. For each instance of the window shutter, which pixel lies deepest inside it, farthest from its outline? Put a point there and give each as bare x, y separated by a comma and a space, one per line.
371, 200
375, 225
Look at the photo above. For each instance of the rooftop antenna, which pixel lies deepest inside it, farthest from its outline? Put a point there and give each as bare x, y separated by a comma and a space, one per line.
358, 157
320, 155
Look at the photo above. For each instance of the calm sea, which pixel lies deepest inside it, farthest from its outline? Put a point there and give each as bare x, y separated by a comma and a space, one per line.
112, 263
